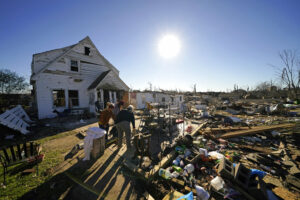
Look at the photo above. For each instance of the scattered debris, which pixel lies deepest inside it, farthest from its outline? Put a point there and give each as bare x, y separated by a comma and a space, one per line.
17, 119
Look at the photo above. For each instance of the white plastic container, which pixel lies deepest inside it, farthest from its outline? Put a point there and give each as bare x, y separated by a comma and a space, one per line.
96, 132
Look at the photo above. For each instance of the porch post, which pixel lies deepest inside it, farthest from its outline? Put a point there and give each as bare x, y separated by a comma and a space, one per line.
110, 96
115, 97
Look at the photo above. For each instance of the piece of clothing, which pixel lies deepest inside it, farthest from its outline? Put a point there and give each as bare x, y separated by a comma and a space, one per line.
105, 115
106, 128
124, 126
125, 115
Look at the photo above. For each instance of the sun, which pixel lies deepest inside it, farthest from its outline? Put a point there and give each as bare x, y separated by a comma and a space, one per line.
169, 46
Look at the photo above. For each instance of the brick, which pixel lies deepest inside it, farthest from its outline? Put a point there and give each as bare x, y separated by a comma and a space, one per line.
226, 169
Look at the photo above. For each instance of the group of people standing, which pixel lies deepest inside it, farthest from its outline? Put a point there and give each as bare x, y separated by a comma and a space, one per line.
122, 119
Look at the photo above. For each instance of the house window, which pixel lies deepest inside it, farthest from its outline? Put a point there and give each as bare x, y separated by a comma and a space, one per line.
163, 99
74, 65
58, 98
73, 98
172, 99
87, 51
180, 98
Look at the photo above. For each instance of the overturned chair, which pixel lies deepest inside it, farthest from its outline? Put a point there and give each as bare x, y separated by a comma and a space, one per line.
28, 152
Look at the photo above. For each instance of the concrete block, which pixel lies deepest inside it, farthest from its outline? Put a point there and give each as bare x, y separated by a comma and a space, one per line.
226, 169
242, 176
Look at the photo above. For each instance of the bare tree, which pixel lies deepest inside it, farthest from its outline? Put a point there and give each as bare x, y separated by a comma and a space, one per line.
194, 89
289, 72
11, 82
150, 86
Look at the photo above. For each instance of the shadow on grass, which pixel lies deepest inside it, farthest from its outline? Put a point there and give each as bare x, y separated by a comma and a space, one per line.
78, 182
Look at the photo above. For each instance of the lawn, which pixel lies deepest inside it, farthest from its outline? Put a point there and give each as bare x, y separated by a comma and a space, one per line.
54, 147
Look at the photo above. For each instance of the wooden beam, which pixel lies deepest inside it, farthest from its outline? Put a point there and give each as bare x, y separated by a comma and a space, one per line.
254, 130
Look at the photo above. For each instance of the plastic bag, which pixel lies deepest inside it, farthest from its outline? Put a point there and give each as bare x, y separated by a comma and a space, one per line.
188, 196
259, 173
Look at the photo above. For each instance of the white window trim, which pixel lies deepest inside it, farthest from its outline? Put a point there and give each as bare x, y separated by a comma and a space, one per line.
78, 63
78, 99
66, 98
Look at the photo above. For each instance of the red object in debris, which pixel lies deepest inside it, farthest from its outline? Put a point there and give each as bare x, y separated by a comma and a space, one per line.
37, 158
203, 158
189, 129
179, 121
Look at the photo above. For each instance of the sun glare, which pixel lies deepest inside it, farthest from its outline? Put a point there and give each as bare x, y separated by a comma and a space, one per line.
169, 46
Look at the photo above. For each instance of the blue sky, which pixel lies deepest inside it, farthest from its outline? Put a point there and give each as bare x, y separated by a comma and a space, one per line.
223, 42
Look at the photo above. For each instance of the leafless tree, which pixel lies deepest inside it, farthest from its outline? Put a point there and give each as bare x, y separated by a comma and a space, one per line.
150, 86
289, 72
11, 82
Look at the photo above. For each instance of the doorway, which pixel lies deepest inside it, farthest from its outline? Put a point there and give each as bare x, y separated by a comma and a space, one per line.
105, 97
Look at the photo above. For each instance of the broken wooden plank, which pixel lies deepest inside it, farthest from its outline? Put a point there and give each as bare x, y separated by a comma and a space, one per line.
254, 130
256, 148
173, 195
161, 164
13, 121
198, 128
208, 130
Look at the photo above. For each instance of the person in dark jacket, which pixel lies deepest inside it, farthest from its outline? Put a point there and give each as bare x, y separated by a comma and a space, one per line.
123, 120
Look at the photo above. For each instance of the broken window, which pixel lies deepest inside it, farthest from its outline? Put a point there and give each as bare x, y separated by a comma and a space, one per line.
74, 65
87, 51
73, 98
58, 98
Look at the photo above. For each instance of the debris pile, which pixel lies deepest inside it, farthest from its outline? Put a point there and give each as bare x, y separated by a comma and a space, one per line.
235, 162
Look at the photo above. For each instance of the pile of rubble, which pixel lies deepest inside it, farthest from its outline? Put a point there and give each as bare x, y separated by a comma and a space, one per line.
235, 162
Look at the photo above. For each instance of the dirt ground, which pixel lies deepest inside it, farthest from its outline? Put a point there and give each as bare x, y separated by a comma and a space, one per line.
103, 178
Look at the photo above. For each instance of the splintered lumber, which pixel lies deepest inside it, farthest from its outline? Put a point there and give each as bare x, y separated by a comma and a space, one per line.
161, 164
198, 129
173, 195
254, 130
226, 129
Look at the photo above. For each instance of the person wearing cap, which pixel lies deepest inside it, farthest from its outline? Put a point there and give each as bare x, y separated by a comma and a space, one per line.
123, 120
104, 118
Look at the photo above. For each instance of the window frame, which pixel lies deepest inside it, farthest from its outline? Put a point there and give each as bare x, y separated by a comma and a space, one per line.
89, 50
65, 103
70, 99
78, 65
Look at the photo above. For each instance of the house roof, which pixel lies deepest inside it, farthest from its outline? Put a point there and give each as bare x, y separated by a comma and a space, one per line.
67, 50
98, 80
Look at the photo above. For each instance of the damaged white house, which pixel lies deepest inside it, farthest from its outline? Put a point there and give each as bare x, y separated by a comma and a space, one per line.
74, 78
139, 99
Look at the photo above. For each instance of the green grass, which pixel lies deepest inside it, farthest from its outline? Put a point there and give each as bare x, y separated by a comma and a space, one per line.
17, 185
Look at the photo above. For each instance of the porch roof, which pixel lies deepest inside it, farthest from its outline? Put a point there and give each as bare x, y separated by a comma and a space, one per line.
98, 80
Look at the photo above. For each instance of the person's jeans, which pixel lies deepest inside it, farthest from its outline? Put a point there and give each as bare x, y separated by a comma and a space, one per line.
106, 128
124, 126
